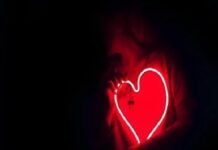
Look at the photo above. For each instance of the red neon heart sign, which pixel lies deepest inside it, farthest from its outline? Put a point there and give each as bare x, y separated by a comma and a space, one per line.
143, 119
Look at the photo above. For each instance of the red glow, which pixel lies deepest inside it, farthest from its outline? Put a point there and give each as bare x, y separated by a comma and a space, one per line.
142, 119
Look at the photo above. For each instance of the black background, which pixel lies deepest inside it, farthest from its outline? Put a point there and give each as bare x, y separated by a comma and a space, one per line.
46, 46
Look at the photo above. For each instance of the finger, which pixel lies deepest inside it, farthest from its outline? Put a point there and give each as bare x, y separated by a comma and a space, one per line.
117, 82
110, 116
112, 85
110, 95
124, 78
119, 78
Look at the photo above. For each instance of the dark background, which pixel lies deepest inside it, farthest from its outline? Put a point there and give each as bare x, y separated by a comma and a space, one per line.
53, 53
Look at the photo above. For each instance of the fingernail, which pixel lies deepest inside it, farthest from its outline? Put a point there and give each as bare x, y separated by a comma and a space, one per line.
118, 85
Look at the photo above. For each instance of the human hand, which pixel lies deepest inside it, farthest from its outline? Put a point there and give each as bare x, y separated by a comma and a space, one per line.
112, 77
110, 91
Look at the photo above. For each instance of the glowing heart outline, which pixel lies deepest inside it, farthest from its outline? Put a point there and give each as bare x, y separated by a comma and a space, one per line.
137, 90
